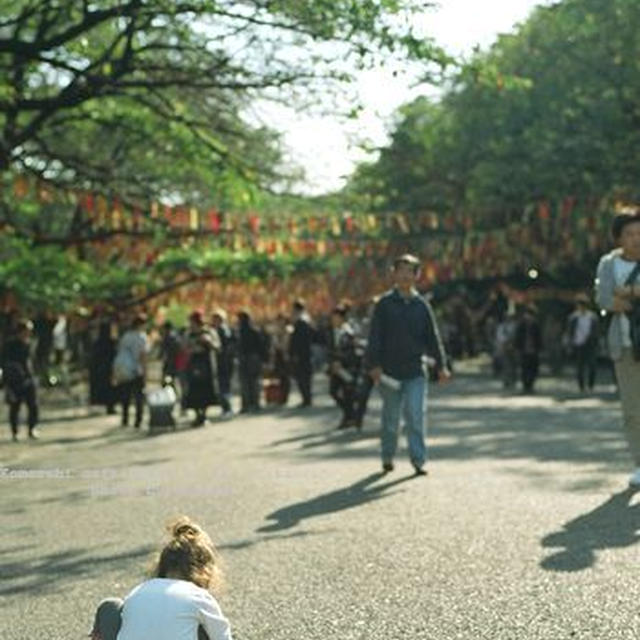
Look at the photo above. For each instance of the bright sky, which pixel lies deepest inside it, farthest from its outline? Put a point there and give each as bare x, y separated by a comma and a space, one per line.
327, 148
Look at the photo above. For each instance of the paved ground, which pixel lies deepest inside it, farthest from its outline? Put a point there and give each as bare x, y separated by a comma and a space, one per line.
523, 529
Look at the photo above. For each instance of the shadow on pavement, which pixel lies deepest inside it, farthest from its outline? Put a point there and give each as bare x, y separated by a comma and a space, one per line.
345, 498
614, 524
86, 414
306, 436
492, 427
41, 574
245, 544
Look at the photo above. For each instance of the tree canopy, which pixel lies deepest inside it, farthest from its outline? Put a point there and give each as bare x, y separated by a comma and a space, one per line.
550, 111
140, 101
108, 94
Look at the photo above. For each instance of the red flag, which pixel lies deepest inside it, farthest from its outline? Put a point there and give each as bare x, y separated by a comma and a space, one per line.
214, 220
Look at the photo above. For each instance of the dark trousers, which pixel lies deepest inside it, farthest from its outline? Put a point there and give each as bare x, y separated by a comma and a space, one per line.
250, 374
344, 395
132, 389
363, 393
529, 364
224, 382
303, 380
28, 396
586, 361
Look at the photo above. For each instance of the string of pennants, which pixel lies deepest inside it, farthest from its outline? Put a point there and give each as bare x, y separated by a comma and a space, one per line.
543, 232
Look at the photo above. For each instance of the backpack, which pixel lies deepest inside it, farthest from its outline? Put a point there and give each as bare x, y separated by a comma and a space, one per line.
123, 367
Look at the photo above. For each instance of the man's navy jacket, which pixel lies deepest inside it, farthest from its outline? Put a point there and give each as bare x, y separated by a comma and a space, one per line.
403, 330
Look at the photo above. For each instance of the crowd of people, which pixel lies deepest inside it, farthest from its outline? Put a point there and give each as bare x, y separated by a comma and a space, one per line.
211, 357
394, 342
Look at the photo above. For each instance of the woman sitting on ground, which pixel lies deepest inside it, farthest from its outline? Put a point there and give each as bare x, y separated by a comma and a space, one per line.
176, 602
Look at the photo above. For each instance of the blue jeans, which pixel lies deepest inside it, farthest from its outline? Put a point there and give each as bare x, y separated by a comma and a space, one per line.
411, 398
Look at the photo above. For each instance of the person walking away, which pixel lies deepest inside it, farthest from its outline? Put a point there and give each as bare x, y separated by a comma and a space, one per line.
178, 601
617, 291
225, 359
280, 349
404, 330
43, 333
169, 349
101, 357
130, 369
251, 355
528, 342
300, 352
19, 379
182, 363
343, 366
583, 328
505, 348
202, 371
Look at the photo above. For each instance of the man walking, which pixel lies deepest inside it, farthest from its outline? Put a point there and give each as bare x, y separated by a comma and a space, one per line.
404, 330
130, 368
225, 357
617, 291
300, 351
528, 342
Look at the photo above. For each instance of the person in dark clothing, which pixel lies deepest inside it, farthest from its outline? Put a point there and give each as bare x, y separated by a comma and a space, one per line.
102, 355
169, 349
202, 376
403, 331
225, 357
300, 352
251, 355
344, 365
280, 354
19, 379
528, 343
43, 332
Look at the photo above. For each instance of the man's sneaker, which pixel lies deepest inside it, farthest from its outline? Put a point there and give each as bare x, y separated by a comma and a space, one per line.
420, 471
387, 466
634, 480
34, 434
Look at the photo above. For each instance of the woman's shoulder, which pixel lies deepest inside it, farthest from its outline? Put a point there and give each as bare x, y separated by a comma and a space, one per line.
171, 585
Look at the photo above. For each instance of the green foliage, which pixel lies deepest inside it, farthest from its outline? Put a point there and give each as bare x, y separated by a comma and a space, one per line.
151, 96
64, 281
549, 111
47, 278
151, 100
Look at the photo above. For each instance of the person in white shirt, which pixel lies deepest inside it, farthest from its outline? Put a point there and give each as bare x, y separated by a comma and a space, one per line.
130, 369
177, 601
583, 331
617, 289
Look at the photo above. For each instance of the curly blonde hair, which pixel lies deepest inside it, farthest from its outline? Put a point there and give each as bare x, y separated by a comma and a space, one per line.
189, 555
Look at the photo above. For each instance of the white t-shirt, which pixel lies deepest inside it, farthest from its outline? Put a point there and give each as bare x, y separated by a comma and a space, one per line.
585, 321
168, 609
622, 269
60, 334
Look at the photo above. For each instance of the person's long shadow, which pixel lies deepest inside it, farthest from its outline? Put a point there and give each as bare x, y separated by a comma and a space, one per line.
615, 523
338, 500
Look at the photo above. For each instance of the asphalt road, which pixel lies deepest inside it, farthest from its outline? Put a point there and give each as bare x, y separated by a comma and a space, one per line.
524, 527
